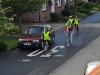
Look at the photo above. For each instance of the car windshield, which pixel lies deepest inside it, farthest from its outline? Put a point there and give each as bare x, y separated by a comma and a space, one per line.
34, 30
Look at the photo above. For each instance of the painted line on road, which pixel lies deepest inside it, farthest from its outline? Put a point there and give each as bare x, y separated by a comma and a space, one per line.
53, 50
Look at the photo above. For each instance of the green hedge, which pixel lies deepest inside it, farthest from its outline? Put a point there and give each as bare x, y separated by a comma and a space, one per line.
65, 12
54, 16
3, 46
87, 5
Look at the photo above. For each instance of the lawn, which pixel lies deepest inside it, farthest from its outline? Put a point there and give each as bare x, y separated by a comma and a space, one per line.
11, 41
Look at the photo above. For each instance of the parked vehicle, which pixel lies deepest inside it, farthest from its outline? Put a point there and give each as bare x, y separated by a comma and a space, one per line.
33, 37
93, 68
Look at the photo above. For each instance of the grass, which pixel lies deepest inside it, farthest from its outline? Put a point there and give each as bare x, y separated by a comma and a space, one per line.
11, 41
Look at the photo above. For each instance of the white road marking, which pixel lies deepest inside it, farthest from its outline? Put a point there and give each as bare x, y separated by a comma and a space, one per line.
47, 55
54, 50
32, 53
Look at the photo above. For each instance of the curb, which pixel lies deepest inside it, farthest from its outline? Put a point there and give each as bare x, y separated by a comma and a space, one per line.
8, 51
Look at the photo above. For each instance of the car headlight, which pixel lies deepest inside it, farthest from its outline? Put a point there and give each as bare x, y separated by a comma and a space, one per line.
20, 39
35, 40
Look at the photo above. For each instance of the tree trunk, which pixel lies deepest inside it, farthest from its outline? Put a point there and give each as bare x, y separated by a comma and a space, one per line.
20, 28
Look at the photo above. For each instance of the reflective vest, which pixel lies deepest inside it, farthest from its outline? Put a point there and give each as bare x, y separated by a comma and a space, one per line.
71, 20
76, 21
46, 35
68, 24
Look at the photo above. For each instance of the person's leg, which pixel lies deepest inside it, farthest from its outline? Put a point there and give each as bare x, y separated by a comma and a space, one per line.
71, 37
77, 28
50, 44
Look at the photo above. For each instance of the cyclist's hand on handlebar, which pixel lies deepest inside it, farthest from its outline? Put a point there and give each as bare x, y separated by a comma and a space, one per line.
64, 31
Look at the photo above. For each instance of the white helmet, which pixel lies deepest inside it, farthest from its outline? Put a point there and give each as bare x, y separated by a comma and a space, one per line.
47, 26
70, 16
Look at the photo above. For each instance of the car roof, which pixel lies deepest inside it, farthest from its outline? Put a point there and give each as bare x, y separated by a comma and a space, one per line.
45, 25
36, 26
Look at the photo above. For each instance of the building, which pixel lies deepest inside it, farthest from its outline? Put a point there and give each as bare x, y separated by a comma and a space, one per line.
43, 14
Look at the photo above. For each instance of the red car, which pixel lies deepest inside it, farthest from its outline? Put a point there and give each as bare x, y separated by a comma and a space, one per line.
33, 37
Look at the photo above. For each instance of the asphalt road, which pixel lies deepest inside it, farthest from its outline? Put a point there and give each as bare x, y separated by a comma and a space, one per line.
32, 61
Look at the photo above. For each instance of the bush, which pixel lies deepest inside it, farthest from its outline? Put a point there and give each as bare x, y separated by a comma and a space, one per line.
13, 29
88, 5
3, 46
84, 11
80, 14
66, 6
54, 16
95, 8
65, 12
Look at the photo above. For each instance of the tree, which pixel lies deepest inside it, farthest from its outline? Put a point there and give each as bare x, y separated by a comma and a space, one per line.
6, 25
20, 7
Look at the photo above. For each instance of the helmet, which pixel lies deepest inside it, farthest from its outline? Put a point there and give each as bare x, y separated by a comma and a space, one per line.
70, 16
47, 26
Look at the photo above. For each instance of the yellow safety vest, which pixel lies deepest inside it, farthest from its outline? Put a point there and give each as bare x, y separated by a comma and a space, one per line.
71, 20
68, 24
76, 21
46, 35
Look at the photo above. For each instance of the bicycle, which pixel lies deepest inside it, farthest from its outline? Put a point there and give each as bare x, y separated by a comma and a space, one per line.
67, 40
45, 46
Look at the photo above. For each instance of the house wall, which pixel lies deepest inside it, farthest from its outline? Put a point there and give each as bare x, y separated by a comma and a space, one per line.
58, 9
71, 2
44, 14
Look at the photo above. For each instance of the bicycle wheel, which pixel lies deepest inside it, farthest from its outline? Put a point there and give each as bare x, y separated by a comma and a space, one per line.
67, 42
45, 46
53, 39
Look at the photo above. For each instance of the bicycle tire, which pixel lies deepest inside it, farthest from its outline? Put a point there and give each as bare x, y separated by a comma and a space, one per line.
53, 39
67, 42
45, 47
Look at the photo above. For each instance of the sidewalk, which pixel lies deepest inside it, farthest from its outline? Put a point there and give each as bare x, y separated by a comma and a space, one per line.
56, 26
77, 64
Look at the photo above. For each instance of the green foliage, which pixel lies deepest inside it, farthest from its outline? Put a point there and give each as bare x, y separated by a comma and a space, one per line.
54, 16
23, 6
69, 7
80, 14
65, 12
97, 5
95, 8
11, 41
88, 5
3, 46
68, 10
6, 23
80, 9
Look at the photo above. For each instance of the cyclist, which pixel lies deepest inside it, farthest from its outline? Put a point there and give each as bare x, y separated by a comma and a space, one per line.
47, 36
69, 26
71, 19
76, 22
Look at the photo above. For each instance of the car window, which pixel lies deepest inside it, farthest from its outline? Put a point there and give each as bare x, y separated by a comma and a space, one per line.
34, 30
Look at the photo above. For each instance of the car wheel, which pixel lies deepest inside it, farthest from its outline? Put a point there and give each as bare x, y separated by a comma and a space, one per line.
42, 45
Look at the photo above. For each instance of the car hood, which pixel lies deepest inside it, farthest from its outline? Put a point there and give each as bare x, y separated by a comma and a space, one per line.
94, 63
31, 36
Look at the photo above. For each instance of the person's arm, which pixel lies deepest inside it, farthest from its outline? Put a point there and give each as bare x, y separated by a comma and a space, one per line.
50, 34
78, 20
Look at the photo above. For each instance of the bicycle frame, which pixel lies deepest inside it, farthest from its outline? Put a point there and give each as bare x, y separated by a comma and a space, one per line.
45, 46
67, 41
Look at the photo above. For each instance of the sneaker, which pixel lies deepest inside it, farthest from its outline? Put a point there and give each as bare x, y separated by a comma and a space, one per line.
67, 45
70, 43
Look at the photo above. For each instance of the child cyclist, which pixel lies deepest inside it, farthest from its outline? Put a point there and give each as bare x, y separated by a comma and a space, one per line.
70, 28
